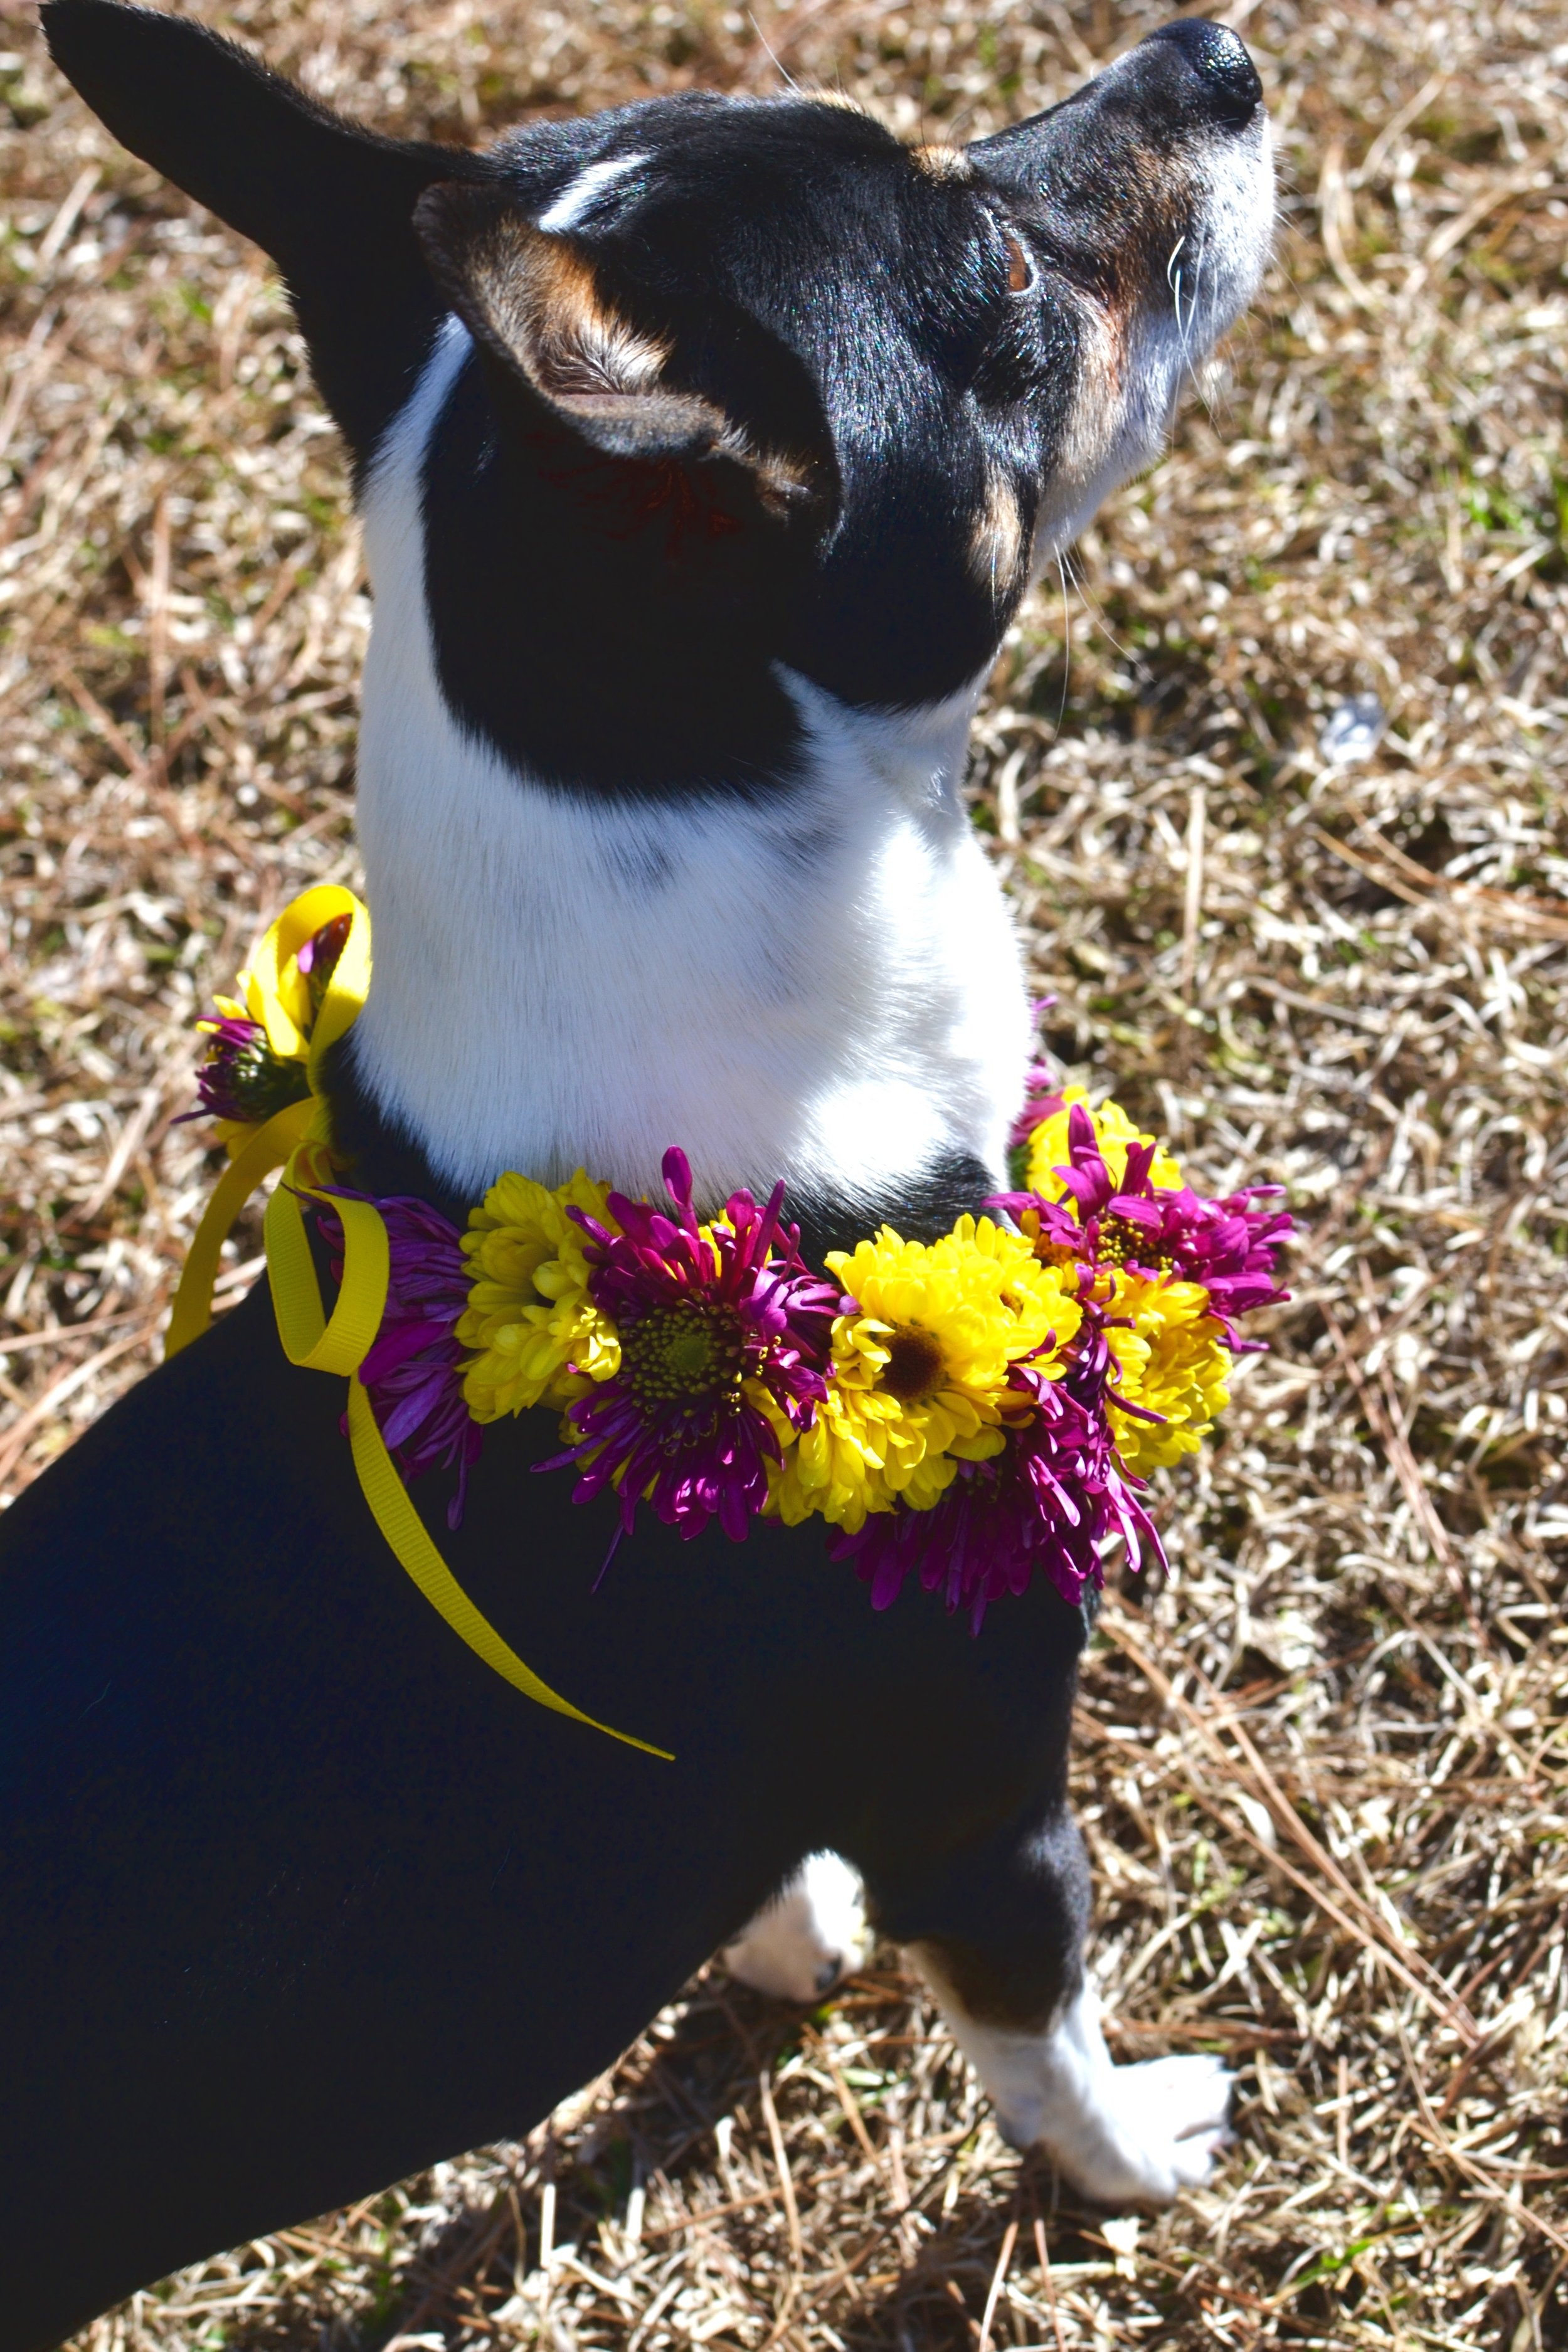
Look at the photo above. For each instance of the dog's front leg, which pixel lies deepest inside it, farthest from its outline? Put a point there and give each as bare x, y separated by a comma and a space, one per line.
999, 1940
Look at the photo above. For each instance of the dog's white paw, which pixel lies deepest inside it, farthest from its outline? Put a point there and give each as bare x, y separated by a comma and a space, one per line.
1120, 2135
810, 1935
1151, 2131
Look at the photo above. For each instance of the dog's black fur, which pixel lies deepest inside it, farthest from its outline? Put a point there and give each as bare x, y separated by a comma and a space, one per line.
302, 1897
299, 1897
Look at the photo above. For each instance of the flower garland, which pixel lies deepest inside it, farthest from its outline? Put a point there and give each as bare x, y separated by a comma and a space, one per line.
971, 1411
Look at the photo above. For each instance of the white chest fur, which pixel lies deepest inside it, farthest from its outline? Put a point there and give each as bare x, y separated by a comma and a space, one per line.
824, 988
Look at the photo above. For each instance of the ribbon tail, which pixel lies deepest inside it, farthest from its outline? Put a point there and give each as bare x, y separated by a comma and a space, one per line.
406, 1533
268, 1149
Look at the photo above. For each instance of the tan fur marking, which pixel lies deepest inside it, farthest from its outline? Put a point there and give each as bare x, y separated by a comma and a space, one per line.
997, 545
939, 162
537, 298
540, 299
1101, 399
1096, 419
576, 349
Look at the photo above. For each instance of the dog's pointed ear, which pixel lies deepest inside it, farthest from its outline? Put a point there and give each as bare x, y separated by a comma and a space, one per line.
330, 202
566, 351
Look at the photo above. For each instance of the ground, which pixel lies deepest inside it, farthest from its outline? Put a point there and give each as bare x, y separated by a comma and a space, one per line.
1321, 1764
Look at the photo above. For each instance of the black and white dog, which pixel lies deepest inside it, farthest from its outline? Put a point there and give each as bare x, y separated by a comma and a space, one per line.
704, 450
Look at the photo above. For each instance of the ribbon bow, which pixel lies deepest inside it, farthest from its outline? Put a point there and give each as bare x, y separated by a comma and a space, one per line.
299, 1140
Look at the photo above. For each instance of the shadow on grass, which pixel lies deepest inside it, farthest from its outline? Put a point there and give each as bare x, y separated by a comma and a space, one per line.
896, 2283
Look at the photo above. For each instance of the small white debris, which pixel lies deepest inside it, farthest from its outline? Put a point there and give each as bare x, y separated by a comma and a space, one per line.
1353, 729
1259, 1820
1121, 2235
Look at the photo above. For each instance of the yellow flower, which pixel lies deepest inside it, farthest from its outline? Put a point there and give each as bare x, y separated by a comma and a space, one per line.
1113, 1132
1173, 1361
529, 1315
919, 1369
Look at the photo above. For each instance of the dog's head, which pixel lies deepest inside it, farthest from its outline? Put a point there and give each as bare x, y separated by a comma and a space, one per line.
752, 385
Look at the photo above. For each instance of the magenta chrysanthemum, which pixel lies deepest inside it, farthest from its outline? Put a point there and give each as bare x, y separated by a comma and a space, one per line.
1041, 1094
1046, 1505
413, 1372
1041, 1097
242, 1078
1228, 1245
724, 1338
318, 959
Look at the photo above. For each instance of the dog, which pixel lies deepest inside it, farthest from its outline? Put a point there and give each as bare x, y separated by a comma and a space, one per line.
704, 451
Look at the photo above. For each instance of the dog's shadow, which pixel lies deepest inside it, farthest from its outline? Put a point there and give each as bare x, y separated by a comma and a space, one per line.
683, 2110
656, 2119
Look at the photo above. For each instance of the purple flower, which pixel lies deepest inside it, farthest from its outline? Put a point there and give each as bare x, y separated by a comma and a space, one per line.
318, 959
1047, 1503
242, 1078
1228, 1245
1042, 1096
413, 1372
706, 1319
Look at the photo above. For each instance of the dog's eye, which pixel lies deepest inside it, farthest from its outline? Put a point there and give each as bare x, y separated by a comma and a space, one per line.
1021, 273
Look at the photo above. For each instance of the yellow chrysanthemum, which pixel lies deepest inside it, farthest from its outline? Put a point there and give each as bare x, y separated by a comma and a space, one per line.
1114, 1131
1173, 1361
529, 1315
920, 1369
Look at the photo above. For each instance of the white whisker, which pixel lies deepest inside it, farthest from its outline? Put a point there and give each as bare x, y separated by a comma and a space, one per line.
1173, 278
1067, 640
778, 65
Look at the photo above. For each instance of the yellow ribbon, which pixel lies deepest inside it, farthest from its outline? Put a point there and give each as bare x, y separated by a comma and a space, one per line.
299, 1140
405, 1530
266, 1148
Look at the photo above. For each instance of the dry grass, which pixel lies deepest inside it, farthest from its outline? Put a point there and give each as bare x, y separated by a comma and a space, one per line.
1323, 1769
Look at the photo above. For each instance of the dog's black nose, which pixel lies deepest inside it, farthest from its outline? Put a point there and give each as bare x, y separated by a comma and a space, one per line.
1228, 89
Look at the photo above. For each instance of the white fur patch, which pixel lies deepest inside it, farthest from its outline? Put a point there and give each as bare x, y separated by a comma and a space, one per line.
812, 1934
1122, 2134
579, 195
827, 989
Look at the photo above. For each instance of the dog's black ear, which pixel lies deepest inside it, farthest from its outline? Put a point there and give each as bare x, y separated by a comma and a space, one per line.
330, 201
566, 350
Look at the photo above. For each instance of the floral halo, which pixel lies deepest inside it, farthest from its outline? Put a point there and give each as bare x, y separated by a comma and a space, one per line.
972, 1410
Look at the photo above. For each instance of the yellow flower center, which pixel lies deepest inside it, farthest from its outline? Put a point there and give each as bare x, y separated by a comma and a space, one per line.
1121, 1240
914, 1367
681, 1351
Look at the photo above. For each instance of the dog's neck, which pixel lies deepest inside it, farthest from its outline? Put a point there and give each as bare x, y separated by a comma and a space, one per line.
817, 983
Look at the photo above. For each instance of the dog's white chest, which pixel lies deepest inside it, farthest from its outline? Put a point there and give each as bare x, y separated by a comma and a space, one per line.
822, 986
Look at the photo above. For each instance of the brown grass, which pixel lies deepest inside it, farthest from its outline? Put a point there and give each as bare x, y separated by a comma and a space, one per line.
1322, 1771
